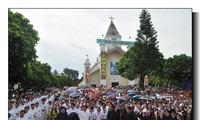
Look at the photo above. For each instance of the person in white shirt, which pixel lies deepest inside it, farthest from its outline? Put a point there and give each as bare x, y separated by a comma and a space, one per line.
92, 115
104, 113
98, 114
26, 109
84, 115
73, 109
37, 110
32, 112
21, 116
12, 112
43, 110
22, 104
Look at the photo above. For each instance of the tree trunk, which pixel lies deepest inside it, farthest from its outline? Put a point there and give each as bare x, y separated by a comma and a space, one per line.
141, 84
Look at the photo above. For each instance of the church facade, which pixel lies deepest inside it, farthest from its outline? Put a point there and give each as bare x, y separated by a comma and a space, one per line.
103, 71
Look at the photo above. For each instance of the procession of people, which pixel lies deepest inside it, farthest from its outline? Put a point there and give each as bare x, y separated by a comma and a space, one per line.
102, 103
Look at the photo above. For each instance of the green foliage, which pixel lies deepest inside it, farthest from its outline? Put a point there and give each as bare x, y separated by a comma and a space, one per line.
22, 39
144, 57
155, 81
71, 74
178, 68
69, 77
41, 76
23, 67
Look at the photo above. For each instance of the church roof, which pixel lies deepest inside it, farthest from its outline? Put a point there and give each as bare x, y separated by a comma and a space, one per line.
112, 30
117, 49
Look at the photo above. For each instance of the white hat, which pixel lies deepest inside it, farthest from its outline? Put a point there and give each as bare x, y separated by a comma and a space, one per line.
180, 114
13, 100
20, 110
190, 106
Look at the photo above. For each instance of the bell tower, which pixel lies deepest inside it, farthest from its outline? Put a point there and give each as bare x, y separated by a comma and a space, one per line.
87, 70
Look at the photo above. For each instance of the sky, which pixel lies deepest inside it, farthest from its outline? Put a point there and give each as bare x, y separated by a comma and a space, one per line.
67, 35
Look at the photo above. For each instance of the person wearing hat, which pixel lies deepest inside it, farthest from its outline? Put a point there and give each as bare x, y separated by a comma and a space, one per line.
26, 108
22, 104
167, 115
62, 115
43, 115
173, 114
22, 116
37, 111
11, 112
179, 116
32, 112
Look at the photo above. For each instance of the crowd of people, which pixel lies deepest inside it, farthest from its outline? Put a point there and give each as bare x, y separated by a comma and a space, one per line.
56, 105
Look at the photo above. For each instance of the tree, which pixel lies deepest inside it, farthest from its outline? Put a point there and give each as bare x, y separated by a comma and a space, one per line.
22, 39
144, 57
72, 76
178, 68
41, 76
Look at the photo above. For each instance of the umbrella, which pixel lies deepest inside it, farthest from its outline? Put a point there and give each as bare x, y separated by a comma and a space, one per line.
127, 97
103, 92
74, 94
166, 94
95, 96
87, 89
112, 95
71, 90
136, 97
110, 92
145, 98
155, 95
131, 91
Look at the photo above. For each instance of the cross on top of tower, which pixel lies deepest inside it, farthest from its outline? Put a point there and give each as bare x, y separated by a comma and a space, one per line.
111, 17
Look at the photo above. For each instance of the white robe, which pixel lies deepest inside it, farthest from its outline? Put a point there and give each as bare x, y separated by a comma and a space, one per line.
92, 116
43, 112
73, 110
13, 114
104, 114
24, 118
84, 115
32, 114
98, 116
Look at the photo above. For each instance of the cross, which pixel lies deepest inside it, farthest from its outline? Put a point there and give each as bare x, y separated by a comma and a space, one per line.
111, 17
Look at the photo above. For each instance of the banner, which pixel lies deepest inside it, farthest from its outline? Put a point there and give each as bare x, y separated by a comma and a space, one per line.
113, 70
115, 42
103, 65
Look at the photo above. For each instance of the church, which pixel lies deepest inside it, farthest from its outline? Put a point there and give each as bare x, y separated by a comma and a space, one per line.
103, 71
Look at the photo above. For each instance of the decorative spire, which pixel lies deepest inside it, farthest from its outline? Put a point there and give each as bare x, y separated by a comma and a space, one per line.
87, 61
112, 30
111, 17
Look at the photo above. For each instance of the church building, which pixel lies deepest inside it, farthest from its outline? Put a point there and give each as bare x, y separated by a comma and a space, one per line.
103, 71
